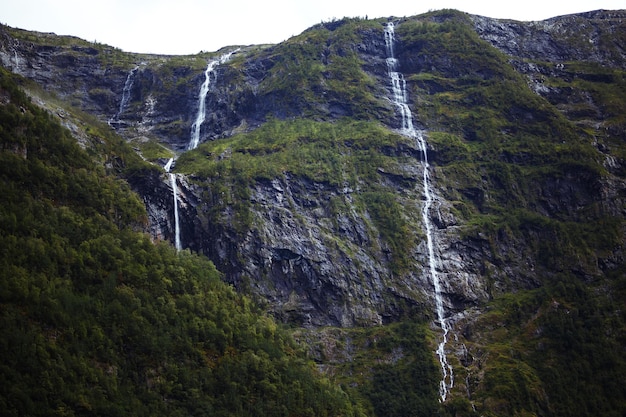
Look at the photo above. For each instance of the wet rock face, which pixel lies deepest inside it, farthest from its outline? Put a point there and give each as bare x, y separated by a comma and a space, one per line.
314, 266
158, 198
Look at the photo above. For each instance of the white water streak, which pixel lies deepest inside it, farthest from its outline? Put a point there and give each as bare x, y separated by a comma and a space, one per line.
204, 89
400, 99
195, 132
167, 168
17, 62
128, 85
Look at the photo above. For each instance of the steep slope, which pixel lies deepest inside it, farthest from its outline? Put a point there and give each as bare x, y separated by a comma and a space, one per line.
95, 319
307, 194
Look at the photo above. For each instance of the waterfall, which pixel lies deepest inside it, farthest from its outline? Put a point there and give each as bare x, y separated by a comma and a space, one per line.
167, 168
195, 129
17, 62
204, 89
128, 85
398, 87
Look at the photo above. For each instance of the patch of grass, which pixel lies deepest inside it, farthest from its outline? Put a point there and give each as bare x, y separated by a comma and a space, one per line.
319, 151
344, 153
151, 150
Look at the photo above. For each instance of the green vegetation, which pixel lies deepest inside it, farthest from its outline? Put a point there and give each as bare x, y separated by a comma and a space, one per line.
320, 151
496, 141
557, 350
95, 319
343, 153
504, 156
389, 367
73, 47
593, 90
510, 162
323, 65
151, 150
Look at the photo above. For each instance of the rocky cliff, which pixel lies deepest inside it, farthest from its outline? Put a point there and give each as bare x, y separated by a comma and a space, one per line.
313, 263
307, 195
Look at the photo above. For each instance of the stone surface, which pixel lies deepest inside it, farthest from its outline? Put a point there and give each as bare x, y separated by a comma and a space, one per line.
306, 264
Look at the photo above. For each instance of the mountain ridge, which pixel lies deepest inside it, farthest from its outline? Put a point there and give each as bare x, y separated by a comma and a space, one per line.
306, 196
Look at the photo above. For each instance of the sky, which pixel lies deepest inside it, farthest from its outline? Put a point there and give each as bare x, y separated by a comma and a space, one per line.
182, 27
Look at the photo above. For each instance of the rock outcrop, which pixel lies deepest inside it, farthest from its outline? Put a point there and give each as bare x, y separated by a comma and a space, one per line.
310, 263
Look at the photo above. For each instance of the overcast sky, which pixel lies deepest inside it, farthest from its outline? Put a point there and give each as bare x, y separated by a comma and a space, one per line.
191, 26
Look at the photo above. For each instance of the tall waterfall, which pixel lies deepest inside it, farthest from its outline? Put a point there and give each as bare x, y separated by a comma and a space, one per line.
167, 168
128, 85
204, 89
398, 87
195, 132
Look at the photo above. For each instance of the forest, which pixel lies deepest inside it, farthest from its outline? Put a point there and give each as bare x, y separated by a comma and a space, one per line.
98, 320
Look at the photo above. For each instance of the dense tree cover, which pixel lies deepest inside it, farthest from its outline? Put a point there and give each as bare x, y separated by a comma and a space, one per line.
391, 369
408, 385
95, 319
557, 350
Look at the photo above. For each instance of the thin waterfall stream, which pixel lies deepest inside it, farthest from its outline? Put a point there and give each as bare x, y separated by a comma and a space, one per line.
204, 89
195, 134
400, 99
172, 176
128, 85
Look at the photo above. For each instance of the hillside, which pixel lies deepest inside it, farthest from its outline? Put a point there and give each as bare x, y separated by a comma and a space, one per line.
98, 320
434, 205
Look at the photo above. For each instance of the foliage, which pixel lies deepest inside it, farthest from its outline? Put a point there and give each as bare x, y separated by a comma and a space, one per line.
389, 368
72, 46
524, 175
388, 218
319, 151
407, 387
324, 66
95, 319
153, 151
557, 350
504, 152
344, 153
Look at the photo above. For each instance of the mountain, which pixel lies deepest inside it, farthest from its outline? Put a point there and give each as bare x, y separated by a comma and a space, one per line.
424, 200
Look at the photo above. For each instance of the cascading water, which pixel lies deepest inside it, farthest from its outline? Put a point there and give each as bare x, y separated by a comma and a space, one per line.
398, 87
128, 85
167, 168
204, 89
17, 62
195, 130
